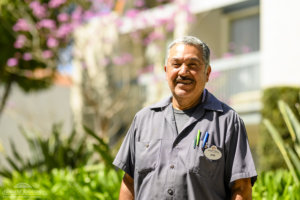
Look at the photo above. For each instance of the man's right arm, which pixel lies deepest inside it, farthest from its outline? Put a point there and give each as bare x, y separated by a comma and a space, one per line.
127, 188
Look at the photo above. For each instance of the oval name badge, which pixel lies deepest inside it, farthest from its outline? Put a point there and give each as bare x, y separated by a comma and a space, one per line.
213, 153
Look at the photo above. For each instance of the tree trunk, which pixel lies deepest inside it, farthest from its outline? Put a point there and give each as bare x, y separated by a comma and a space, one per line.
5, 96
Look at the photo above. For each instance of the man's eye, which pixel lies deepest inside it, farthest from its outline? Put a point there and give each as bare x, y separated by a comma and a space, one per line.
176, 64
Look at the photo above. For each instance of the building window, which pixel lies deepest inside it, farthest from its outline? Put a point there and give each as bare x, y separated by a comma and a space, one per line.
244, 35
241, 28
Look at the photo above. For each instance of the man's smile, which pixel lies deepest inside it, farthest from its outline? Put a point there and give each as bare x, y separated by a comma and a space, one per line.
184, 80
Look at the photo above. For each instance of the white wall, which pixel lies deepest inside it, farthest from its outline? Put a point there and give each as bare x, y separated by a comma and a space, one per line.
207, 27
34, 111
280, 42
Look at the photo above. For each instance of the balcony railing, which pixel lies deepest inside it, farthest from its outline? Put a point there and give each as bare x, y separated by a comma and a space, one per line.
234, 75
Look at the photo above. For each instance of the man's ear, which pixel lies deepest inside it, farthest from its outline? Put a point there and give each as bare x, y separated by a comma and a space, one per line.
165, 68
208, 70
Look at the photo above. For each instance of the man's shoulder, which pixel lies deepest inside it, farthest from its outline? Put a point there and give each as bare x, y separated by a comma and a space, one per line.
153, 108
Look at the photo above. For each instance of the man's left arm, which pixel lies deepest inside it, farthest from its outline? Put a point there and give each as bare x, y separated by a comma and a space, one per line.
241, 189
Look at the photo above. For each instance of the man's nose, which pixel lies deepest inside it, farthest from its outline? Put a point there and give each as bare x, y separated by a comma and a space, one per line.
183, 69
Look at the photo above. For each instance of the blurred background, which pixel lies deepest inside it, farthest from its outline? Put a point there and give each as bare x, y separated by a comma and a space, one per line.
74, 72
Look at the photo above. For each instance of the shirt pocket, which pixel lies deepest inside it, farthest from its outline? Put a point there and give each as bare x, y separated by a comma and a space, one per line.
202, 165
147, 155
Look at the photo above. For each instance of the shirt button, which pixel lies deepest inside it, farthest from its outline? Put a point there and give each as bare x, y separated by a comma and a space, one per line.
170, 191
172, 166
147, 145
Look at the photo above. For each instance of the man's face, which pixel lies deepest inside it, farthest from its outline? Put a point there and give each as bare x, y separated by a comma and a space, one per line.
185, 72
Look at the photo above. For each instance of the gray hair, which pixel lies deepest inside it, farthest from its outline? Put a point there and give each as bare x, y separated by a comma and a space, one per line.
191, 40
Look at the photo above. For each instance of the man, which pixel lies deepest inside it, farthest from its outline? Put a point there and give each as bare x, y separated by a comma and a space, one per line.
189, 146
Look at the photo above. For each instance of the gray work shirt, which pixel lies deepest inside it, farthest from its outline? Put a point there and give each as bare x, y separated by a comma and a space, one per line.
167, 165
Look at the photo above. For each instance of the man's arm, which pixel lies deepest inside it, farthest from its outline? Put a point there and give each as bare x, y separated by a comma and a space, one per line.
127, 188
241, 189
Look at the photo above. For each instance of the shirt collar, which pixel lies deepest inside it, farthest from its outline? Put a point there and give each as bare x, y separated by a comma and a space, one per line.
209, 100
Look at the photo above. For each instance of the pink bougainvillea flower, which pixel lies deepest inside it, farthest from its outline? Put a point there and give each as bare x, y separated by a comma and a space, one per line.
77, 14
38, 10
64, 30
123, 59
153, 36
56, 3
161, 21
170, 26
88, 15
117, 60
132, 13
21, 25
46, 23
11, 62
147, 69
119, 22
63, 17
20, 41
139, 3
47, 54
27, 56
52, 42
127, 57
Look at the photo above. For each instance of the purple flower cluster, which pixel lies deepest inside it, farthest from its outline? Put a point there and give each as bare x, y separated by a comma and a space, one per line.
52, 42
38, 9
54, 25
53, 30
46, 23
64, 30
11, 62
56, 3
63, 17
122, 59
154, 36
21, 25
19, 43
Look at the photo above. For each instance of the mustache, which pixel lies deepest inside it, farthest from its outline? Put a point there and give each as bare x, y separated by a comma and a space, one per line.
183, 78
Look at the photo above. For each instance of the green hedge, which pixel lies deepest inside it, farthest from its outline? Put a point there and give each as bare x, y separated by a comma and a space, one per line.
100, 183
269, 155
275, 185
88, 183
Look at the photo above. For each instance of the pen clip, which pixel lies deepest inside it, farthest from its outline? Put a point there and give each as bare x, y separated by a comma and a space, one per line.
205, 140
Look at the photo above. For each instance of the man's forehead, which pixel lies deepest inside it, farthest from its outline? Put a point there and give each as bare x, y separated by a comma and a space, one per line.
181, 48
175, 58
184, 51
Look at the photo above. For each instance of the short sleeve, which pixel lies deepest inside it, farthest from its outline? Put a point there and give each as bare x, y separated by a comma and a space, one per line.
125, 159
239, 162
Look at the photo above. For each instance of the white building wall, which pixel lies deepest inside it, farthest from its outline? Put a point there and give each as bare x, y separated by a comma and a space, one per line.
36, 111
280, 42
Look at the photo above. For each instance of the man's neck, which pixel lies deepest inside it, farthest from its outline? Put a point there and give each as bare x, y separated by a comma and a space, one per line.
184, 104
187, 103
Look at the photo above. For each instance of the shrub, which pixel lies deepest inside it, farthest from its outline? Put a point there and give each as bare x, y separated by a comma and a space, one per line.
49, 153
267, 149
56, 152
274, 185
290, 151
86, 183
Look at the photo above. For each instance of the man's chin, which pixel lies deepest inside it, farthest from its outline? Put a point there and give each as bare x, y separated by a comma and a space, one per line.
183, 93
